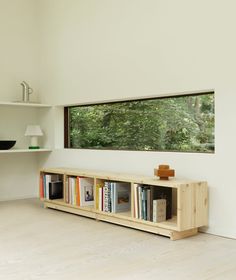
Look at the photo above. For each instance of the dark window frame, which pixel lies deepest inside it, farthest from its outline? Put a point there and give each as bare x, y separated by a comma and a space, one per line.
67, 130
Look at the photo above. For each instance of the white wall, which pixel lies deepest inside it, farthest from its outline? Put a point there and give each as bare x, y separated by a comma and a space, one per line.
90, 50
19, 54
113, 49
19, 50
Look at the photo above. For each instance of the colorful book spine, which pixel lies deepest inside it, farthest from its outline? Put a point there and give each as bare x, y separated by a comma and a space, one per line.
41, 187
99, 188
78, 192
105, 197
144, 203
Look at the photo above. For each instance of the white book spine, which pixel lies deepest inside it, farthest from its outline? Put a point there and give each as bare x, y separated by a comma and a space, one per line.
136, 201
47, 181
73, 191
70, 192
100, 199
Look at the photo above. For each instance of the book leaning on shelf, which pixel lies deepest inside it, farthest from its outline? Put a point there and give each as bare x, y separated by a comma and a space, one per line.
86, 191
121, 193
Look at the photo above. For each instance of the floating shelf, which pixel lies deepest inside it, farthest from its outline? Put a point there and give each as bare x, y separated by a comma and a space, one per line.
21, 104
24, 151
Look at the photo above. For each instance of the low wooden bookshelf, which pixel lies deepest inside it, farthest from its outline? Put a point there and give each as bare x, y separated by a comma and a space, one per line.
189, 201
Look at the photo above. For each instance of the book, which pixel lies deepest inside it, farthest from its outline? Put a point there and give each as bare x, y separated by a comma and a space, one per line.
99, 187
86, 191
144, 203
66, 196
72, 190
105, 197
101, 198
159, 210
149, 209
77, 192
47, 179
112, 197
41, 187
121, 197
140, 212
136, 204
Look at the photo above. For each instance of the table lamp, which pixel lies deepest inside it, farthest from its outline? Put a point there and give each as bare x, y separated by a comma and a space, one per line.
33, 131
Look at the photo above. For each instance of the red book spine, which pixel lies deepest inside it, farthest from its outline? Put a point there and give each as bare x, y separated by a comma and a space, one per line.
41, 187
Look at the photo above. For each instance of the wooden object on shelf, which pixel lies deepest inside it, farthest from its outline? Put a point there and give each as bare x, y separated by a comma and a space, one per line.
164, 172
189, 202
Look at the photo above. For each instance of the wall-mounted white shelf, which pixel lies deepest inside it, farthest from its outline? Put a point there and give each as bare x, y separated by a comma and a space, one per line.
14, 119
22, 104
24, 151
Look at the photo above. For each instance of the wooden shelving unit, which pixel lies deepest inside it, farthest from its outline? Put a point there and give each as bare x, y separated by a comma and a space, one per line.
189, 203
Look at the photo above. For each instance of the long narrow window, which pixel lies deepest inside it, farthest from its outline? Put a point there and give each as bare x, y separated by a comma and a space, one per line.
176, 123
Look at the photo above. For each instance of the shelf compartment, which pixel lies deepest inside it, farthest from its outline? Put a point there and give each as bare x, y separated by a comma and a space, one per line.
143, 197
113, 196
51, 185
79, 191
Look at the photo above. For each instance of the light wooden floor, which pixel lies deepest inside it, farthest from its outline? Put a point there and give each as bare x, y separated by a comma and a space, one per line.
38, 243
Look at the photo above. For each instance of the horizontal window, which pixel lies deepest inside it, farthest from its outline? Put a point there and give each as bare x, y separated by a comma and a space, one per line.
176, 123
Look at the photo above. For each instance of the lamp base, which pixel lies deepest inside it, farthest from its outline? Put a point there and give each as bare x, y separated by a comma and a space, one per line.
34, 147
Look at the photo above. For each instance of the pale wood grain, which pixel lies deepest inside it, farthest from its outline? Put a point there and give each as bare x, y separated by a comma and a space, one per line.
189, 203
38, 243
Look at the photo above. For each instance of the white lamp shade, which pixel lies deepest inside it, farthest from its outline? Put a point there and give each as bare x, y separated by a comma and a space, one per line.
33, 130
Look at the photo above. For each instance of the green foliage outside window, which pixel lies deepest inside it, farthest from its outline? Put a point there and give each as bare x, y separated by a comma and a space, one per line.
179, 123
